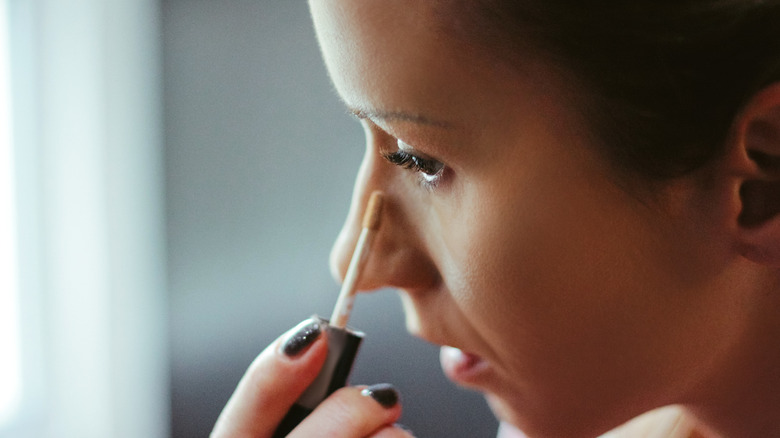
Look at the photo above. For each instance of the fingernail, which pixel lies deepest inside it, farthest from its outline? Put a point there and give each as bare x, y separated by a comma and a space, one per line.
304, 337
383, 393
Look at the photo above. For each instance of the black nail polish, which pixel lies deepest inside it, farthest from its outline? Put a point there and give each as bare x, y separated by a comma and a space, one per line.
302, 339
343, 345
383, 393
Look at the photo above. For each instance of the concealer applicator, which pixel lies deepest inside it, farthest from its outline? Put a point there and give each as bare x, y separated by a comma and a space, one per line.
343, 342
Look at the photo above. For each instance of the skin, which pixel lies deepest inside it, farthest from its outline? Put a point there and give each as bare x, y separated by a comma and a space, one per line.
587, 302
529, 252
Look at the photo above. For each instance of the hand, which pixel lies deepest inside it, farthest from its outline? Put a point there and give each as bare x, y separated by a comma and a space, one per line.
280, 374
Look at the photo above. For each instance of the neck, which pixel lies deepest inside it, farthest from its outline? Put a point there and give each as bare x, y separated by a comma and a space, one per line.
742, 399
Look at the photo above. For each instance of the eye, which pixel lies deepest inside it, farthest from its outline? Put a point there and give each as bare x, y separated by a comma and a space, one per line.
429, 169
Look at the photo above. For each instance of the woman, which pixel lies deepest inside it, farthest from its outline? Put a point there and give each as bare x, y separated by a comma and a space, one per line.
583, 209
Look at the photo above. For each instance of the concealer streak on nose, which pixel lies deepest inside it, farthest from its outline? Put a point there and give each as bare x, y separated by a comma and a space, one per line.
344, 247
397, 258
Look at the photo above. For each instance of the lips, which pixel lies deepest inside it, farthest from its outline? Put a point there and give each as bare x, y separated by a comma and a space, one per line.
462, 367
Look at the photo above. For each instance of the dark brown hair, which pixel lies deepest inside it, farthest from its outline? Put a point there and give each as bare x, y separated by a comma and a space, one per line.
667, 77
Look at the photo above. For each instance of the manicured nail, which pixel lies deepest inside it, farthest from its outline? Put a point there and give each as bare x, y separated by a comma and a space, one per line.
383, 393
304, 337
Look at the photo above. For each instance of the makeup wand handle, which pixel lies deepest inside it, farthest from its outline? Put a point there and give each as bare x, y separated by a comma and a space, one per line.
343, 343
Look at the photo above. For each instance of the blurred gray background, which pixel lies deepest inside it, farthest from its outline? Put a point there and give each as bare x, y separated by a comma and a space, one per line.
260, 157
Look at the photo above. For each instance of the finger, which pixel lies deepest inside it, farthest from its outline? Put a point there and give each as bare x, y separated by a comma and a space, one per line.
276, 378
354, 412
395, 431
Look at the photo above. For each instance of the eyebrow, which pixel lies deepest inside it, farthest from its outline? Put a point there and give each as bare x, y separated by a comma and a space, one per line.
397, 116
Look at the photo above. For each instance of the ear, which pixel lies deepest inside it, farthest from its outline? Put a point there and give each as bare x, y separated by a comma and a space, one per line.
756, 140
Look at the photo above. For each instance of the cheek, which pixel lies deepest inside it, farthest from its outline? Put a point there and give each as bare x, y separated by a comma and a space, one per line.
568, 285
530, 252
553, 277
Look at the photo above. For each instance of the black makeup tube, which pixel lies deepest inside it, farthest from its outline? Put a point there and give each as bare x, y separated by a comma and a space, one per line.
343, 345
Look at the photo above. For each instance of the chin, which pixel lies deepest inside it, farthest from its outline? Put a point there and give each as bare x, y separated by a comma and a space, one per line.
545, 424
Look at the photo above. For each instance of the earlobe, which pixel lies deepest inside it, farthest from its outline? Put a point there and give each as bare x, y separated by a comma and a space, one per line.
758, 138
760, 228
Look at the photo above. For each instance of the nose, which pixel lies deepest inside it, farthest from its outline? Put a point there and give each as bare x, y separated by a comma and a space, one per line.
399, 257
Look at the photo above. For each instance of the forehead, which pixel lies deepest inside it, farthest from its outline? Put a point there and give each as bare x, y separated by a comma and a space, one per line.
402, 56
384, 53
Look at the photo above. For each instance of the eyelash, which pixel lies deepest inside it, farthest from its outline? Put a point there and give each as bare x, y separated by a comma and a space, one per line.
430, 170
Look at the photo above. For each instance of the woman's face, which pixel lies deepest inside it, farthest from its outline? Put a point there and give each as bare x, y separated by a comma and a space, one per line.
506, 233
